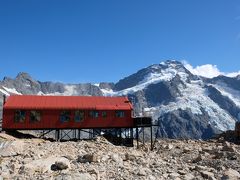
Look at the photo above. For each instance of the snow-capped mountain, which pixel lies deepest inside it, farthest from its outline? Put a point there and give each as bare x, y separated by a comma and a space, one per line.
184, 105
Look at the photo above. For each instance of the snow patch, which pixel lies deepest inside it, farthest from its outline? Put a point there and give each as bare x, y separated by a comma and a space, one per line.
70, 90
11, 90
97, 84
4, 92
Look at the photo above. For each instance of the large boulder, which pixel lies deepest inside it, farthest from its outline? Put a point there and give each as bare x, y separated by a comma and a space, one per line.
45, 165
88, 158
11, 148
231, 174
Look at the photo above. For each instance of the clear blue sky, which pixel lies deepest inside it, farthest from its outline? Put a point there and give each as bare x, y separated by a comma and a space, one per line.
105, 40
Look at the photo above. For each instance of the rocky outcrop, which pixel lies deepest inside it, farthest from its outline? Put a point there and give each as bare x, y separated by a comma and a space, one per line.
176, 124
99, 159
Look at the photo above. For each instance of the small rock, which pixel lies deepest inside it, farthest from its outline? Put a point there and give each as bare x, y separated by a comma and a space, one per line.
88, 158
207, 149
130, 157
60, 165
186, 150
117, 158
228, 147
231, 174
200, 168
181, 172
74, 176
142, 172
105, 158
207, 175
169, 146
198, 159
188, 176
231, 155
219, 154
174, 175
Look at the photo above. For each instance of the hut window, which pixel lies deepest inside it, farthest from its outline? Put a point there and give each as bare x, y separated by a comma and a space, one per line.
119, 114
20, 116
35, 116
104, 114
79, 116
65, 116
93, 114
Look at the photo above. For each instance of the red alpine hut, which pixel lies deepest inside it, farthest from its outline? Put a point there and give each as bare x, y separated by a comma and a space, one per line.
31, 112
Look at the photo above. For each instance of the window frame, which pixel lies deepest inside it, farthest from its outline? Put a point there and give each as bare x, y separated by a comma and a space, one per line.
94, 114
61, 114
119, 114
104, 114
38, 113
20, 116
82, 118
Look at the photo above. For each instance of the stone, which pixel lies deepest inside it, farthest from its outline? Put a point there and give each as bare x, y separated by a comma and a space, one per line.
74, 176
61, 165
228, 147
169, 146
181, 172
42, 165
105, 158
230, 174
186, 150
200, 168
207, 175
88, 158
174, 175
231, 155
208, 149
142, 172
188, 176
219, 154
117, 158
198, 159
130, 157
11, 148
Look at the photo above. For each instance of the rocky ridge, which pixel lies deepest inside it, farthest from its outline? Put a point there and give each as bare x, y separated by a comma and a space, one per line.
99, 159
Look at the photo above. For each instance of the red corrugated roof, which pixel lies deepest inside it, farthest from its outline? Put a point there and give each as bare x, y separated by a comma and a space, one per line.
67, 102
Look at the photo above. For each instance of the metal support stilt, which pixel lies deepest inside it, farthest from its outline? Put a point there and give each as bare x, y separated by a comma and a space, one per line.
143, 135
57, 135
137, 137
79, 134
151, 140
74, 134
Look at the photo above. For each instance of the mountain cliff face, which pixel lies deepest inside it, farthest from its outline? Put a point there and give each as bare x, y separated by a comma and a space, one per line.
182, 104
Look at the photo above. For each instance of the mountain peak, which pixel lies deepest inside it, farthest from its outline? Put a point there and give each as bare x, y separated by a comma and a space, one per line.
23, 75
170, 62
167, 64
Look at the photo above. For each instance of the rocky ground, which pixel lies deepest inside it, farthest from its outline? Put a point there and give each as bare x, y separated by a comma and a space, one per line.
99, 159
